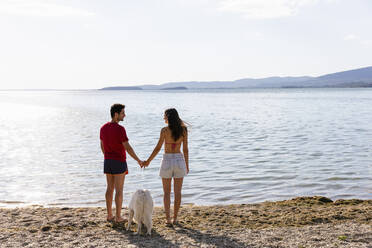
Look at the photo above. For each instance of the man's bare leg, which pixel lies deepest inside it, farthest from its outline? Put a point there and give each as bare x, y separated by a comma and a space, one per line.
119, 185
167, 182
109, 195
177, 187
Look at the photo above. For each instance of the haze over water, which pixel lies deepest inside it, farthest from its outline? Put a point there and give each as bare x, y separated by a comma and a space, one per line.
245, 145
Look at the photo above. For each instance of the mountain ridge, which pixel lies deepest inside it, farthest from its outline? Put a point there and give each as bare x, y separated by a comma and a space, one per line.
361, 77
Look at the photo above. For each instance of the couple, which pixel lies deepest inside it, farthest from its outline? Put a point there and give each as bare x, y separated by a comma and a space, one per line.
114, 145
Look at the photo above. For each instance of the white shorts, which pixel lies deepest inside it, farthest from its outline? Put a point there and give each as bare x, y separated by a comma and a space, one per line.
173, 165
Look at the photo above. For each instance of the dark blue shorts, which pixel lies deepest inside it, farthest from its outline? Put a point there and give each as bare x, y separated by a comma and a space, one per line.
114, 167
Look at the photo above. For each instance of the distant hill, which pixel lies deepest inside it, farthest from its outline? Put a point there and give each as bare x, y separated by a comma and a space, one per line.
175, 88
353, 78
122, 88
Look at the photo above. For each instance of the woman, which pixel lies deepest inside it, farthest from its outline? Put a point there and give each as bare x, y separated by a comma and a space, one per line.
174, 164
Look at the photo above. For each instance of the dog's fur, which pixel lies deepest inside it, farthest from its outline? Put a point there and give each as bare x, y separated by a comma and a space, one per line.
140, 207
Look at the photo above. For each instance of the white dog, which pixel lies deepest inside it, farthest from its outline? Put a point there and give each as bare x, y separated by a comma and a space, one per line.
140, 207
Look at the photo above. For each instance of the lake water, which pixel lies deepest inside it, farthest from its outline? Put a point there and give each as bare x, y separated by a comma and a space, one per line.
245, 145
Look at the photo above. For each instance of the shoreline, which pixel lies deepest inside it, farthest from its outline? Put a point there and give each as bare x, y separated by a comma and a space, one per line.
19, 204
303, 221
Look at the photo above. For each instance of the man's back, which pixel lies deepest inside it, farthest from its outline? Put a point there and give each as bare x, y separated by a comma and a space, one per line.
113, 135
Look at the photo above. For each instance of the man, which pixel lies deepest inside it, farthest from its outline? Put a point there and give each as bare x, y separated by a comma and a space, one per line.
114, 144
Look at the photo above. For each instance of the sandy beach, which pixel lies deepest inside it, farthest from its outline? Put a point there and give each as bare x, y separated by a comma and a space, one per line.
300, 222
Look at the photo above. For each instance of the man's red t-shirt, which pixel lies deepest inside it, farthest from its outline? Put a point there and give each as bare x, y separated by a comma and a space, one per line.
113, 135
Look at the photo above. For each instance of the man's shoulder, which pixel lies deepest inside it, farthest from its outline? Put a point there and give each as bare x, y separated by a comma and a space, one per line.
112, 126
105, 125
121, 127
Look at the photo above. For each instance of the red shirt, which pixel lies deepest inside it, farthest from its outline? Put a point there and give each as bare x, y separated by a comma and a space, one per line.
113, 135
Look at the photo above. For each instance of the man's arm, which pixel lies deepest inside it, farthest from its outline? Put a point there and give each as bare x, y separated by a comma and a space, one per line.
102, 149
131, 152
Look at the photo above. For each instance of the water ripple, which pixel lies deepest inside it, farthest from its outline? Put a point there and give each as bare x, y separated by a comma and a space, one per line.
279, 144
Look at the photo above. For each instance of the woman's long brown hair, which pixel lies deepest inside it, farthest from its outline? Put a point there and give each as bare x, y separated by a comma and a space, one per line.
175, 124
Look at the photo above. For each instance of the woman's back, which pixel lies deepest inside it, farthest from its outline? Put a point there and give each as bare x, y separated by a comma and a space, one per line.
171, 145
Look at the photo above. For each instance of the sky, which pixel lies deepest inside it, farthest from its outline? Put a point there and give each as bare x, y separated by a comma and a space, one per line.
90, 44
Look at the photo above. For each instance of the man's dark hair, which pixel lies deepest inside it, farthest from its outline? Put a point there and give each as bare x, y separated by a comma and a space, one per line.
116, 108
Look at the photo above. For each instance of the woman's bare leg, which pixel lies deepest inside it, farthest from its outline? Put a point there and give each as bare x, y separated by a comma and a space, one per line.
177, 197
167, 182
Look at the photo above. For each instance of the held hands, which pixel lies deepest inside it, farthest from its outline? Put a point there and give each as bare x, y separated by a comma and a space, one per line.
140, 163
146, 163
143, 164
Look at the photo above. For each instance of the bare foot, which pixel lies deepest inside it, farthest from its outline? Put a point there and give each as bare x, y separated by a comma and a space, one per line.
110, 218
169, 222
120, 220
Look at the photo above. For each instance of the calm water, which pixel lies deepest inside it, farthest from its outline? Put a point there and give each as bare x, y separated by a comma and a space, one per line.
245, 146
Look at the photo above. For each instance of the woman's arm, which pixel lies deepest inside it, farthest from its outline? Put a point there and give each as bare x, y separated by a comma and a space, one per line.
186, 150
157, 147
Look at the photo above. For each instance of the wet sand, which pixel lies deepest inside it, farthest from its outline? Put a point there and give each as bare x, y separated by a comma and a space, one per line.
300, 222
